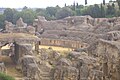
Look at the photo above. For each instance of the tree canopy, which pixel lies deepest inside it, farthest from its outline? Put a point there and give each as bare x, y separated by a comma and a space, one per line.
52, 13
64, 12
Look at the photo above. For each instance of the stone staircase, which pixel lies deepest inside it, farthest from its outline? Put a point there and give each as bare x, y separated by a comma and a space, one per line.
45, 72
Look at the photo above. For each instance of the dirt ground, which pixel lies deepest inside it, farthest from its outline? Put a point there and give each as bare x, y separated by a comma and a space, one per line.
10, 66
60, 49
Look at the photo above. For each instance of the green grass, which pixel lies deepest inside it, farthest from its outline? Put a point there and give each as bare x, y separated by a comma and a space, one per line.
5, 77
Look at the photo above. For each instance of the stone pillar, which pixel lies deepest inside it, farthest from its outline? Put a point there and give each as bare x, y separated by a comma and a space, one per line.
36, 28
87, 20
84, 72
105, 70
118, 70
37, 46
15, 58
105, 65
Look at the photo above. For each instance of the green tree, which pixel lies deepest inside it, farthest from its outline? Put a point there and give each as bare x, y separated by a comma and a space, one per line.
118, 13
96, 11
74, 6
85, 2
25, 8
51, 11
93, 11
28, 16
2, 19
111, 10
16, 16
65, 5
79, 9
102, 11
40, 12
77, 5
78, 12
104, 2
43, 12
64, 12
8, 13
118, 1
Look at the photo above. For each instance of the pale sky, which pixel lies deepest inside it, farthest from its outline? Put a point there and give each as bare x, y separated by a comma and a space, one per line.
43, 3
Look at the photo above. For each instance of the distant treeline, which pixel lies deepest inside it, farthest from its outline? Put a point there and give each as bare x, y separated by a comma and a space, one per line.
102, 10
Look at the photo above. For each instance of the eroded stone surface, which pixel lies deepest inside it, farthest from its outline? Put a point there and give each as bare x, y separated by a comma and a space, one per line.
96, 42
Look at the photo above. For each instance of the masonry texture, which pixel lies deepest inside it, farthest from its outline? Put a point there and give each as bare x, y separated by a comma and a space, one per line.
95, 43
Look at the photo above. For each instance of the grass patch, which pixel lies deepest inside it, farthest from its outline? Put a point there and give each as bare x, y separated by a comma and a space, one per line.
5, 77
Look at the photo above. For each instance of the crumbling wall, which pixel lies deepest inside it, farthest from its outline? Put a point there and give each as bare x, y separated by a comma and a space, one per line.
107, 52
20, 27
29, 67
21, 50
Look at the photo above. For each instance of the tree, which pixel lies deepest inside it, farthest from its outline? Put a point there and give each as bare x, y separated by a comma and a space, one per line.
79, 9
96, 11
64, 12
110, 10
93, 10
74, 6
65, 5
8, 13
16, 16
2, 19
78, 12
118, 1
25, 7
51, 11
104, 2
113, 5
85, 2
77, 5
102, 11
28, 16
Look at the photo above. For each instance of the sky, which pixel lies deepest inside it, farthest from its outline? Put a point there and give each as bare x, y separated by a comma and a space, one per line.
43, 3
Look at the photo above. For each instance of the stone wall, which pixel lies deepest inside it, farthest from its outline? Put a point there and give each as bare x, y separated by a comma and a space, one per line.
63, 43
27, 61
20, 27
107, 52
21, 50
100, 61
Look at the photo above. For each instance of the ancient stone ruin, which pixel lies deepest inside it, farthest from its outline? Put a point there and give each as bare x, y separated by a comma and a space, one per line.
20, 27
95, 44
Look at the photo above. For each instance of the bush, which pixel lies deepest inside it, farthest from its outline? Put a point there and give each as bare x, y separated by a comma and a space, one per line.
5, 77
